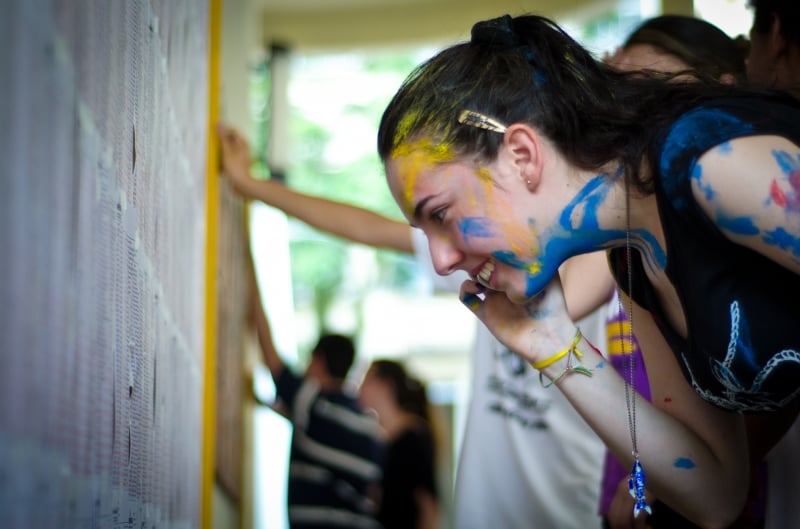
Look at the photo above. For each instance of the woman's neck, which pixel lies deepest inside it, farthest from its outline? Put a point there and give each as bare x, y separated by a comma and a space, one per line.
597, 214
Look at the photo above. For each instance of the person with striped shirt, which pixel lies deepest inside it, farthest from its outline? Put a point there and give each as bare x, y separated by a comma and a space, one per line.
336, 451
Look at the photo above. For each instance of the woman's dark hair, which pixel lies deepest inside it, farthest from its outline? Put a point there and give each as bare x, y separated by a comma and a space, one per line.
787, 11
703, 46
528, 70
409, 393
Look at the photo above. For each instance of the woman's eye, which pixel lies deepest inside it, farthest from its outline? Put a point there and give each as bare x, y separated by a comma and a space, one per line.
438, 215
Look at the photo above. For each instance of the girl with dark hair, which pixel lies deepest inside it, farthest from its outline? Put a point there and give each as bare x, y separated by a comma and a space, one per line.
518, 150
409, 495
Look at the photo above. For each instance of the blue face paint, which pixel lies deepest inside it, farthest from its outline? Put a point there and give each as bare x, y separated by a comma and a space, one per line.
684, 462
566, 240
783, 240
479, 227
591, 196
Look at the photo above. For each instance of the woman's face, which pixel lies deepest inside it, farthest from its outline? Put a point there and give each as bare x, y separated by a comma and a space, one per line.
373, 392
646, 57
474, 216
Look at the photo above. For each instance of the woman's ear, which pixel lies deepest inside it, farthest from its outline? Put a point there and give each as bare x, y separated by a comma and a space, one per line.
523, 146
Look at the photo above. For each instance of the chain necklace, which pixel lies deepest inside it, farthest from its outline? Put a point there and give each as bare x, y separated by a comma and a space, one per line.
637, 479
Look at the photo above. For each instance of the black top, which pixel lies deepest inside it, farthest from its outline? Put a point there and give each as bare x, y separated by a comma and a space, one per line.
742, 309
335, 458
409, 467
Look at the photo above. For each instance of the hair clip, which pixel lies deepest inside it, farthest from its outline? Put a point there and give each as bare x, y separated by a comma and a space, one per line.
481, 121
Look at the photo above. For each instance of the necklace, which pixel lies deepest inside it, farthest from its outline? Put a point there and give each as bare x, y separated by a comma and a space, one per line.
637, 479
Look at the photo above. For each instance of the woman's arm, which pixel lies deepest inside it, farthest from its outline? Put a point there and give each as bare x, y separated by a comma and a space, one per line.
428, 508
344, 220
750, 187
695, 455
264, 332
587, 283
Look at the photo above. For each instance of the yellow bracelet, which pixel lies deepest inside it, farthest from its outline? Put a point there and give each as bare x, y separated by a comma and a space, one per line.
572, 353
561, 354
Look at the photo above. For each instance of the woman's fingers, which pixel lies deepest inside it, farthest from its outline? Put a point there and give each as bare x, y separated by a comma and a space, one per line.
472, 295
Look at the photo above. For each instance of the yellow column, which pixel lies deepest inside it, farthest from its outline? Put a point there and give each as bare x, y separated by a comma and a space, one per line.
212, 226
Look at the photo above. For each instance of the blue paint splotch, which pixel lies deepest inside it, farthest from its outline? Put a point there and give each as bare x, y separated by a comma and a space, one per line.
690, 136
783, 240
479, 227
684, 462
790, 199
725, 148
737, 225
697, 176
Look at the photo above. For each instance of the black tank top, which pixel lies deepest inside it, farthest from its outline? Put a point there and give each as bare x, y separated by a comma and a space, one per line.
742, 351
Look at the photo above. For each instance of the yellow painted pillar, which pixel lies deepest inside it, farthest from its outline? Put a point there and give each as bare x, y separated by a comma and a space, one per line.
210, 316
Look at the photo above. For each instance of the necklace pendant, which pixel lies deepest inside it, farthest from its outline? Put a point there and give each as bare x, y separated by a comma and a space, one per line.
636, 486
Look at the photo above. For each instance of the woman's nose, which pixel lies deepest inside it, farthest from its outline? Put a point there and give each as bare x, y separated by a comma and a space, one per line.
444, 255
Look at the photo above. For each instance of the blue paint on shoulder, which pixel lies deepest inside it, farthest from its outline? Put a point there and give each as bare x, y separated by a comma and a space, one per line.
785, 161
684, 462
737, 225
697, 175
725, 148
783, 240
690, 136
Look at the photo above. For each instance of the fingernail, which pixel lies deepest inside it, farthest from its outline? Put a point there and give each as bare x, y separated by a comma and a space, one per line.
471, 301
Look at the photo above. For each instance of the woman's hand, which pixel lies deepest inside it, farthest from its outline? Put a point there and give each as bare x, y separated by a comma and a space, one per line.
535, 330
235, 158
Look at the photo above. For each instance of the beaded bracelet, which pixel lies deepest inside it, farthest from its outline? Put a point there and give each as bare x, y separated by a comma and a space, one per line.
571, 353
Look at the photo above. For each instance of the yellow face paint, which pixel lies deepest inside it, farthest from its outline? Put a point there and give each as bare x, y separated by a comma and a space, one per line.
415, 158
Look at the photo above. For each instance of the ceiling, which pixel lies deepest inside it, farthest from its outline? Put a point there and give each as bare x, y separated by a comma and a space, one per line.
354, 23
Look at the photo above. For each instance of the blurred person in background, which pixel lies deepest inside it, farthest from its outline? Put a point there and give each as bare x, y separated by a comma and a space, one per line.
409, 497
336, 450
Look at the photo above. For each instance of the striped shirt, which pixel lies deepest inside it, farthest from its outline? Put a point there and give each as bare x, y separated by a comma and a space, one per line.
335, 457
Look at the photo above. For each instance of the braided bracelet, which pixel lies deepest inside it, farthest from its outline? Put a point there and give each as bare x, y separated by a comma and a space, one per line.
571, 353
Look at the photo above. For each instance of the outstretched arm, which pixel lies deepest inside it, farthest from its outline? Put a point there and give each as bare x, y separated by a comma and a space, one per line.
268, 352
344, 220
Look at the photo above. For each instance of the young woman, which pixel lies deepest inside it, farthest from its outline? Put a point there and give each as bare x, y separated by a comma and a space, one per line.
409, 495
517, 150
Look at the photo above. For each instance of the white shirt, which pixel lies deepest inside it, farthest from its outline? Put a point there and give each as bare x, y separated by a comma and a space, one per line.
528, 460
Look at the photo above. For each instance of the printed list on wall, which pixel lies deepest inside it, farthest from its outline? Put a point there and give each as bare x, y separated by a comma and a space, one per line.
101, 267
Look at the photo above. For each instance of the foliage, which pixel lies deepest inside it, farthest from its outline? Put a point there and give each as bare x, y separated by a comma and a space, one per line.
319, 261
